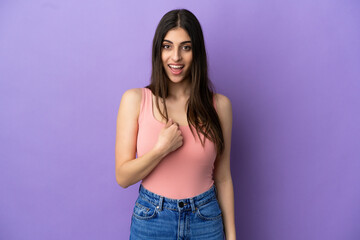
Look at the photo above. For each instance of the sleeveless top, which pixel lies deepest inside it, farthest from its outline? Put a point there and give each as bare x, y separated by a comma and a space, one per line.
183, 173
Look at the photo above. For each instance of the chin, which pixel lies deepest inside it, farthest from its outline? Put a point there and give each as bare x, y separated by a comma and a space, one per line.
177, 80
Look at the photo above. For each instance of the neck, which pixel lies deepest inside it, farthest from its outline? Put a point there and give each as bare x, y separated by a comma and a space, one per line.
179, 90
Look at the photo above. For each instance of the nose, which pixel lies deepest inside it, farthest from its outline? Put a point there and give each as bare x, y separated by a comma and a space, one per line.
176, 55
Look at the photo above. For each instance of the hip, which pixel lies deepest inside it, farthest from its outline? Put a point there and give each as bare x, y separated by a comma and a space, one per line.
158, 217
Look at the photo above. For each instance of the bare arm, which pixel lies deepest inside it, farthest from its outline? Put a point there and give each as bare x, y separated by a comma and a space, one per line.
128, 169
222, 173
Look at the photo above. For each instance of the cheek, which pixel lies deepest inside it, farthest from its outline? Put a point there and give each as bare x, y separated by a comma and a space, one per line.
189, 62
163, 57
163, 61
189, 59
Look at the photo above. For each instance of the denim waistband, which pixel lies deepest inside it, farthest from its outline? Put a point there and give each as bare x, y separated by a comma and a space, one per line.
177, 204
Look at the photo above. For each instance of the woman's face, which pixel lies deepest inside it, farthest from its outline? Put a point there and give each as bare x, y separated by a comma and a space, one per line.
176, 54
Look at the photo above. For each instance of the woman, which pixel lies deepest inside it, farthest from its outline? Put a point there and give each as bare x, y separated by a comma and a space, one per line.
181, 132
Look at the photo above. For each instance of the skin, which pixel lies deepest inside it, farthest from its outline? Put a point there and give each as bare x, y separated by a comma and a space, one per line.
129, 170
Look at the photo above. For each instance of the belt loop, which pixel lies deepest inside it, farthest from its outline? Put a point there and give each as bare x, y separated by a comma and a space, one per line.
161, 201
192, 205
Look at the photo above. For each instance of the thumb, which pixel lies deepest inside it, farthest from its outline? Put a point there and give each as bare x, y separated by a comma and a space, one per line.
169, 123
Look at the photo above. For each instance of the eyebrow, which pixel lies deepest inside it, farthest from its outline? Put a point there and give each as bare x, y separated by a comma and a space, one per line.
180, 43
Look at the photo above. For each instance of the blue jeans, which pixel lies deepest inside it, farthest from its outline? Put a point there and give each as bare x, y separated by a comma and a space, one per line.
156, 217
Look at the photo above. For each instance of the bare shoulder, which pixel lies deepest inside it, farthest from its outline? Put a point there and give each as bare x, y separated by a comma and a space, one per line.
133, 94
127, 125
130, 103
223, 103
224, 110
132, 98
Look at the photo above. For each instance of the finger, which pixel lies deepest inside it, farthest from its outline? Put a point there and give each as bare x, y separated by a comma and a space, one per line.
169, 123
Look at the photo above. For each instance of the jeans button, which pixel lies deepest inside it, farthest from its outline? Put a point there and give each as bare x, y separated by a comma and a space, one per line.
181, 204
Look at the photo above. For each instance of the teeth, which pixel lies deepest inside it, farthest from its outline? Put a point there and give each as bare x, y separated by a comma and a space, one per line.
176, 66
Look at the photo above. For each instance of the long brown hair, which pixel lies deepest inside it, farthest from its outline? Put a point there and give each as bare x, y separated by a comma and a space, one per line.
201, 113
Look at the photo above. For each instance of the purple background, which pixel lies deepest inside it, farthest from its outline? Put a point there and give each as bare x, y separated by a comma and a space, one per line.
291, 70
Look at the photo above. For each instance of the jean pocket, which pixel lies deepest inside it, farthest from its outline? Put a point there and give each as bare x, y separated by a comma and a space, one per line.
144, 210
210, 210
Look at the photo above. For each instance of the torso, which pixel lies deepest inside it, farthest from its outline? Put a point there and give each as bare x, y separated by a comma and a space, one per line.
173, 177
176, 111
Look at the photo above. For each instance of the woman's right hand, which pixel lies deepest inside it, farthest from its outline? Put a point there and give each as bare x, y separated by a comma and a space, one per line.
170, 138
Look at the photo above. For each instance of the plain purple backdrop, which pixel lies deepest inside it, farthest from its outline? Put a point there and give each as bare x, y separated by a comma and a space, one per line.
290, 68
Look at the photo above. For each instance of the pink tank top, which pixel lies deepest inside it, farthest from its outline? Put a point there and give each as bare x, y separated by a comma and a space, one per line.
185, 172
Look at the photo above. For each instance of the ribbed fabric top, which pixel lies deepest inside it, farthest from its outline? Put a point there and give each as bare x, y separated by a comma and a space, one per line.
185, 172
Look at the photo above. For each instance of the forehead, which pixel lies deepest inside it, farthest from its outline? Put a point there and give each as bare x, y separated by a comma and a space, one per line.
177, 35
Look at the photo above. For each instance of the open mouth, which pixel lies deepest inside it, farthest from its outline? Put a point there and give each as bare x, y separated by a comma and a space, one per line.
176, 69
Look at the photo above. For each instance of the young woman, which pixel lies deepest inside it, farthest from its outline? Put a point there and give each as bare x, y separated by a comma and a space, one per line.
181, 132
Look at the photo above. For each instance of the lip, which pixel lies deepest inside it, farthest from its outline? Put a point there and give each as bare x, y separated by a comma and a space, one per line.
176, 71
176, 64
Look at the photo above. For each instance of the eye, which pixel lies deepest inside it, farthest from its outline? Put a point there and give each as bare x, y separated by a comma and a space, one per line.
187, 48
165, 46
